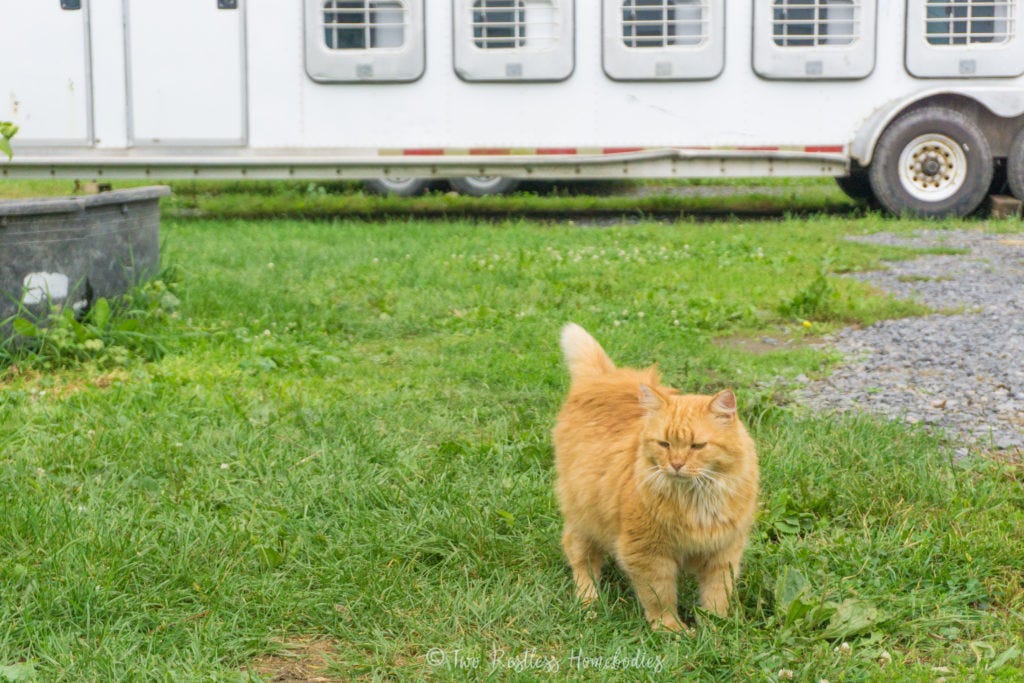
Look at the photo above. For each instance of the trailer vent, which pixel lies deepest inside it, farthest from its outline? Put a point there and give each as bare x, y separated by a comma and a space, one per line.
364, 24
513, 40
809, 23
966, 22
664, 23
510, 24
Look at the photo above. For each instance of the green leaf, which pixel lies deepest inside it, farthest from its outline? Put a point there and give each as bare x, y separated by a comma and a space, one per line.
851, 618
270, 557
788, 588
1005, 658
789, 526
15, 673
25, 328
81, 333
509, 518
99, 314
147, 483
5, 147
169, 302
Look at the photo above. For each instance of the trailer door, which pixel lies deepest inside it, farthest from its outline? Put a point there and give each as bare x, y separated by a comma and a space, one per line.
45, 85
186, 72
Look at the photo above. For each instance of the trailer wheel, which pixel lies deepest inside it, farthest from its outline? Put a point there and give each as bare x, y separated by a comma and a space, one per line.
1015, 166
483, 185
932, 162
402, 187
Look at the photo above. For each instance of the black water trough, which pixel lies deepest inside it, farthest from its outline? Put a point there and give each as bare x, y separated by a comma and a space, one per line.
73, 250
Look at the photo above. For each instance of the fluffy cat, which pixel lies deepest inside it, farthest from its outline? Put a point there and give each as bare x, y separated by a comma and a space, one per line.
659, 480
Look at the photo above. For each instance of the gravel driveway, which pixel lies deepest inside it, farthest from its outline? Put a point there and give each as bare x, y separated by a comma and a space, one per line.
963, 372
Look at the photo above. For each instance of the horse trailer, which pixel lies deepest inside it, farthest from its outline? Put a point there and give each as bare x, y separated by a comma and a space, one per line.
914, 102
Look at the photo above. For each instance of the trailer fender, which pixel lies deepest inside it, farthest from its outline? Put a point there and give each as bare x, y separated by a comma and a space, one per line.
995, 103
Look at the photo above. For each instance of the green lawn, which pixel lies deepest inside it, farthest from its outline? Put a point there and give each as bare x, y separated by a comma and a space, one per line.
333, 441
332, 200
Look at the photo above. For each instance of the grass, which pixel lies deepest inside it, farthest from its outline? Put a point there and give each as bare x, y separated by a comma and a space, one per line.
342, 456
598, 199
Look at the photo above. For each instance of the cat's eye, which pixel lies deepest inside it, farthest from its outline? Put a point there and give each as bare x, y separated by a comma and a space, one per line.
665, 444
697, 446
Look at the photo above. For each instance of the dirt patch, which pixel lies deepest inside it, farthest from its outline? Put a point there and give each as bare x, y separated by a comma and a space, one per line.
766, 344
41, 383
302, 660
1008, 456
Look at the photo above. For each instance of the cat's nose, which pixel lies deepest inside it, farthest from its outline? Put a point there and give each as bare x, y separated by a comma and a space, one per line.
677, 466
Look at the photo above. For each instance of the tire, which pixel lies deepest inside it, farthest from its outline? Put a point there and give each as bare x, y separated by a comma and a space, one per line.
999, 179
933, 162
483, 185
1015, 166
856, 186
401, 187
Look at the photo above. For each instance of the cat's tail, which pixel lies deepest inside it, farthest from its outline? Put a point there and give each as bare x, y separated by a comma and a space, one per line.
583, 354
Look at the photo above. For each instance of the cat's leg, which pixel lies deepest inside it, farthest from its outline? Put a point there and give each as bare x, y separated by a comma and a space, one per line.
654, 579
585, 558
715, 578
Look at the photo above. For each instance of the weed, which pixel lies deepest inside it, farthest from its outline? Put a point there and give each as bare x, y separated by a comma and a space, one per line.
109, 333
816, 301
7, 131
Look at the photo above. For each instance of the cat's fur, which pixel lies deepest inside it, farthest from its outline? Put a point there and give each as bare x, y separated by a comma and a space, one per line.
632, 485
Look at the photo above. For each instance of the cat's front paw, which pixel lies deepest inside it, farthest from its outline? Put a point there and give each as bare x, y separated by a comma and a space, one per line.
587, 594
671, 623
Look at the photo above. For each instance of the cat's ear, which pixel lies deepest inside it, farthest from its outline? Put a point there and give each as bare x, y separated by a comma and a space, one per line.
723, 405
650, 400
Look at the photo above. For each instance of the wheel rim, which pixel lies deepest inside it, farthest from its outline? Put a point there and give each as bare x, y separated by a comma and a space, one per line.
397, 183
933, 167
484, 182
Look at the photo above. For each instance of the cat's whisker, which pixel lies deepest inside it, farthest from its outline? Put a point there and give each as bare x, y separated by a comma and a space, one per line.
654, 479
717, 480
710, 483
726, 487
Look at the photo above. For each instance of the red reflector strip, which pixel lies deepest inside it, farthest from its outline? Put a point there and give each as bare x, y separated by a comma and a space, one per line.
556, 150
621, 150
825, 149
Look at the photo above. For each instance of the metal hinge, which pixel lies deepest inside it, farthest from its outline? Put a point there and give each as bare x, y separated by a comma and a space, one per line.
71, 4
227, 4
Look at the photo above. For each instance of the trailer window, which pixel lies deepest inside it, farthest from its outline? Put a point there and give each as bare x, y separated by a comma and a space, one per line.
808, 23
965, 22
505, 40
510, 24
963, 39
499, 24
364, 24
814, 39
663, 23
663, 40
364, 41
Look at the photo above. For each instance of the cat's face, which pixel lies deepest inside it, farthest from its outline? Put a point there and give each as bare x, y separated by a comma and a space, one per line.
687, 439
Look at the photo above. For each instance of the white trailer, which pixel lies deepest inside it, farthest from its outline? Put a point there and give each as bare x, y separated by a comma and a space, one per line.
915, 101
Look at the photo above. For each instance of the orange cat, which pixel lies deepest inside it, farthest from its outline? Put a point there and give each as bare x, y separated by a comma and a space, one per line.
658, 480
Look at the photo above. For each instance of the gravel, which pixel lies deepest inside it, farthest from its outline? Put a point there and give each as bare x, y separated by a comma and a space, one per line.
961, 370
